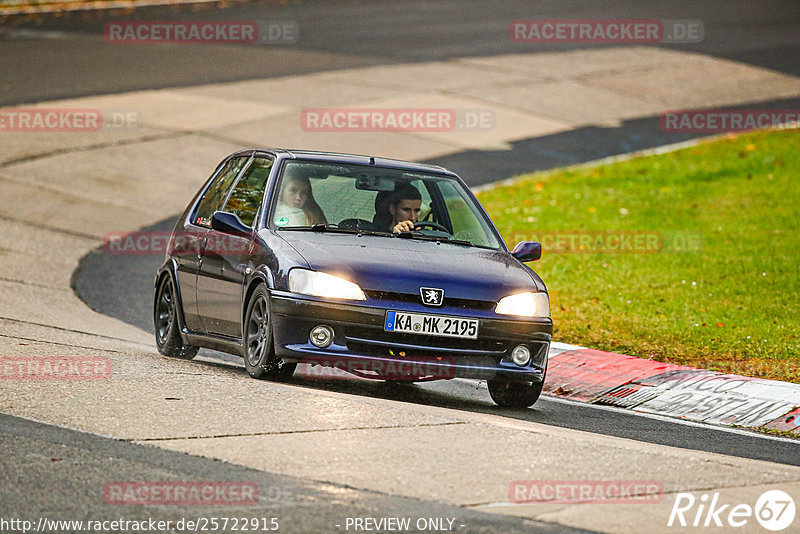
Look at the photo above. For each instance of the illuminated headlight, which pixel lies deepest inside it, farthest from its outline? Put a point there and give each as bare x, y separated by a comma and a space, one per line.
525, 304
323, 285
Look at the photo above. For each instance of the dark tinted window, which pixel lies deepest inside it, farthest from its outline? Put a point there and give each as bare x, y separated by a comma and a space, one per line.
246, 197
217, 192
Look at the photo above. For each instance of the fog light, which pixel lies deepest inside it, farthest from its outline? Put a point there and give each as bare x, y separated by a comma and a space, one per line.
521, 355
321, 336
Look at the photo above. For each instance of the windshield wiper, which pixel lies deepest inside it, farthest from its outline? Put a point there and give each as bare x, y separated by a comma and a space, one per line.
324, 227
333, 227
327, 227
438, 239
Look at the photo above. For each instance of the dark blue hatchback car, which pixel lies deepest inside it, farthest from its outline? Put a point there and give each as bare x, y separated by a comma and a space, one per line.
385, 269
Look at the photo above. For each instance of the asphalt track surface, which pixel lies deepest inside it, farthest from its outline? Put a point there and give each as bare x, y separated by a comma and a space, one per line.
52, 58
365, 33
344, 33
66, 62
49, 467
127, 295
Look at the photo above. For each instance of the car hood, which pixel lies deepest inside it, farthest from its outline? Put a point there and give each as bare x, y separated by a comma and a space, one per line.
398, 265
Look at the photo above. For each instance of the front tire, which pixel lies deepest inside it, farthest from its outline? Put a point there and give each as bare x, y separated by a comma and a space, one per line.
259, 348
514, 394
165, 320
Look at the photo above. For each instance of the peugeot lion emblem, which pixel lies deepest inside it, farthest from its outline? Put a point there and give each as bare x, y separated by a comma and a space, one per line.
431, 296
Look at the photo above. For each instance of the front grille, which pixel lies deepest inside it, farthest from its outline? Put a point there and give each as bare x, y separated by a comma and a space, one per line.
448, 301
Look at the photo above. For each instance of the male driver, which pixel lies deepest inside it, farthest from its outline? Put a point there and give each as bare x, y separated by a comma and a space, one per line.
404, 207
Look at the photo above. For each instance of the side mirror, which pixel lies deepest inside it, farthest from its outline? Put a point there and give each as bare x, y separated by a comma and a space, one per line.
228, 223
527, 251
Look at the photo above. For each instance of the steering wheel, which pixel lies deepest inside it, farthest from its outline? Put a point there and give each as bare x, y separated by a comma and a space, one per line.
436, 226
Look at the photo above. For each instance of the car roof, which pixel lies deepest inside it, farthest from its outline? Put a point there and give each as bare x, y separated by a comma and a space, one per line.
355, 159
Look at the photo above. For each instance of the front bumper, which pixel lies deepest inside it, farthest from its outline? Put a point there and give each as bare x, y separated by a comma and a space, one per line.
360, 341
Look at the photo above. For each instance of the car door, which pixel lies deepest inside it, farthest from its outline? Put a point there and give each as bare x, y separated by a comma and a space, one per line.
189, 243
226, 256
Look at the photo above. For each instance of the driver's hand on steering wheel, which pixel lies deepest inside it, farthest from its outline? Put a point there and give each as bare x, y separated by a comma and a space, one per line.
403, 226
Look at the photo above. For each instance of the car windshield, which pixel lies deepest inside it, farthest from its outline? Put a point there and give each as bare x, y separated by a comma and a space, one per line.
359, 198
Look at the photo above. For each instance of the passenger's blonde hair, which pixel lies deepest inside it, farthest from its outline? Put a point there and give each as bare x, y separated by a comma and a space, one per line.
311, 209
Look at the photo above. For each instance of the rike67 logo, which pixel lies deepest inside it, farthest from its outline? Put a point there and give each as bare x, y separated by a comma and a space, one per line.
774, 510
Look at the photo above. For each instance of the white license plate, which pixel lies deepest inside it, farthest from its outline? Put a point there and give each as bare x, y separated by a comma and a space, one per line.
432, 325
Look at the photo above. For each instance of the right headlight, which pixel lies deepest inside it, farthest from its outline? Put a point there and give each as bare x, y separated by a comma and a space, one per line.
323, 285
526, 304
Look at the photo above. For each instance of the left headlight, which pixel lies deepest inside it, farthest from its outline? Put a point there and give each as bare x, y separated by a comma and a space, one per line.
323, 285
525, 304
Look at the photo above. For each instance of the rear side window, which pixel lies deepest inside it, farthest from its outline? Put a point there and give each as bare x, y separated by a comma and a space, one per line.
217, 192
247, 195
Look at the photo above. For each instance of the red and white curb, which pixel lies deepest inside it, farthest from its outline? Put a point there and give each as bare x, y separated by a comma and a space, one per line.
689, 393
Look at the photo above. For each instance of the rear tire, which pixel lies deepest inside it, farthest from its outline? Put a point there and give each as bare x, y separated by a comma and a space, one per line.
259, 348
514, 394
165, 320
